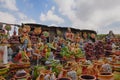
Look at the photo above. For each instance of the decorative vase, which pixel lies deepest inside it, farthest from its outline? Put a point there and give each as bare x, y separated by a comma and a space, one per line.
105, 76
87, 77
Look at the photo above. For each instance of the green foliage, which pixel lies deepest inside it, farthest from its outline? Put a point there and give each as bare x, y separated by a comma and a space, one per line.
65, 52
37, 70
8, 27
54, 65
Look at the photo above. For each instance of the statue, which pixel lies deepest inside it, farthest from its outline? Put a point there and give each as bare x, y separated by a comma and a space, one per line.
25, 38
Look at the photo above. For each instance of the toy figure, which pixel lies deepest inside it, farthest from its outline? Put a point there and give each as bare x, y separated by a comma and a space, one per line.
25, 37
21, 57
77, 38
92, 37
69, 35
106, 68
37, 30
29, 51
85, 37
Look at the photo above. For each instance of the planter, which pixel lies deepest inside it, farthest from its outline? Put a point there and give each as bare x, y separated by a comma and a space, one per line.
87, 77
64, 79
105, 76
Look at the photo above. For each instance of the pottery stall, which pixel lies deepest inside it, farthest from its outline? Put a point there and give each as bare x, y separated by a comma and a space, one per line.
41, 52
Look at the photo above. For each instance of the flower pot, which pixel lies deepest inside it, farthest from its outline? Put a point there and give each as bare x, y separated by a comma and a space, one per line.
64, 79
105, 76
87, 77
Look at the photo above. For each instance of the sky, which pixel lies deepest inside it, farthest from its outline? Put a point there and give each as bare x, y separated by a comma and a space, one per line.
98, 15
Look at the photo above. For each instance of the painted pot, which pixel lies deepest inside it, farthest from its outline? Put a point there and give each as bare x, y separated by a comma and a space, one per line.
87, 77
105, 76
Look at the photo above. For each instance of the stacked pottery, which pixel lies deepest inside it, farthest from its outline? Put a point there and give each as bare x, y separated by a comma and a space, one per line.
87, 77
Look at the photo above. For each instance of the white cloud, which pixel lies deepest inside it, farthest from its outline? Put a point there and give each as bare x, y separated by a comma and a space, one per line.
9, 4
7, 17
24, 19
51, 16
91, 14
11, 18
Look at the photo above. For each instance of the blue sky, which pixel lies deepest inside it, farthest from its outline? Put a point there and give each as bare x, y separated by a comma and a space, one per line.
102, 15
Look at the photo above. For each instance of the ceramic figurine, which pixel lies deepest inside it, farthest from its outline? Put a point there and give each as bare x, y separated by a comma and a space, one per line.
77, 38
37, 30
69, 35
106, 68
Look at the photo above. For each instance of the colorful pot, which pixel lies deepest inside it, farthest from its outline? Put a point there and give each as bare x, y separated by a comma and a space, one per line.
87, 77
105, 76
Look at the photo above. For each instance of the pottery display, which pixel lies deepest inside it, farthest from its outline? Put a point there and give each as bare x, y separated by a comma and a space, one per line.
68, 56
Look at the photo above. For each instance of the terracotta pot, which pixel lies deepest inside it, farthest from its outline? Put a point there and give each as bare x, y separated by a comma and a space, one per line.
87, 77
64, 79
105, 76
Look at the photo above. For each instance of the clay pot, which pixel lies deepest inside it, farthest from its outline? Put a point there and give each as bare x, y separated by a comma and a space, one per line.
105, 76
87, 77
64, 79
